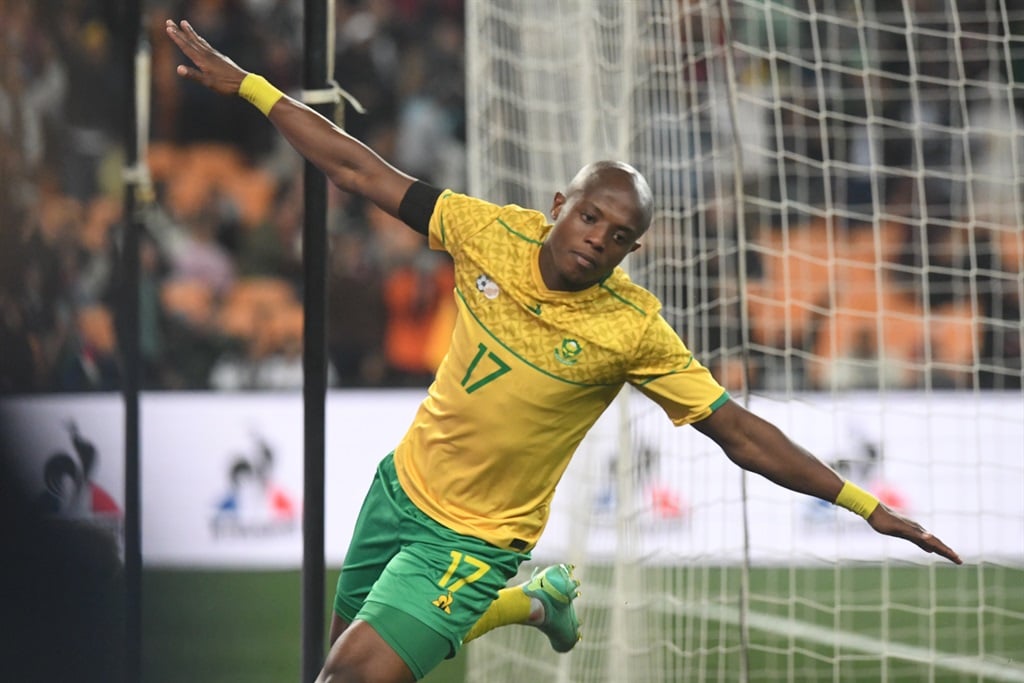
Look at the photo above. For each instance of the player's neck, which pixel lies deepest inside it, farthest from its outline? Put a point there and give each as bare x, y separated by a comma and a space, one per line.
550, 275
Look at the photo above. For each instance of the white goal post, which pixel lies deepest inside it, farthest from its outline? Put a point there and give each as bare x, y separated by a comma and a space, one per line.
839, 235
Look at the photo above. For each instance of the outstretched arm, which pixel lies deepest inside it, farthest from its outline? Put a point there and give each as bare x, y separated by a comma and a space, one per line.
348, 163
758, 446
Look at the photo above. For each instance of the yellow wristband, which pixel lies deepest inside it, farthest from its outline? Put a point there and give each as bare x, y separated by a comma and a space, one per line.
259, 92
856, 499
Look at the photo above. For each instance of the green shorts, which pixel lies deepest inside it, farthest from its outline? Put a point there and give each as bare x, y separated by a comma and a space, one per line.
419, 584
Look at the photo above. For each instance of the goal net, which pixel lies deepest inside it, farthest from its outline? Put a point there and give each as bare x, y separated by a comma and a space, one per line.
838, 236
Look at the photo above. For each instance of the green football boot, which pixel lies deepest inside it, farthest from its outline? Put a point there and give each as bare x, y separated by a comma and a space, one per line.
556, 588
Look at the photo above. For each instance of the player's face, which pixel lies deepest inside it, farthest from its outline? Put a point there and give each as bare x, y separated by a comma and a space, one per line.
595, 227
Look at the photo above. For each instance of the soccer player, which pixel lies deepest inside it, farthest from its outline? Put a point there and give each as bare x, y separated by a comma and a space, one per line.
549, 329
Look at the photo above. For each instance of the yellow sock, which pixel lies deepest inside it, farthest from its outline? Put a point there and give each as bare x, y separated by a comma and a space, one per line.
512, 606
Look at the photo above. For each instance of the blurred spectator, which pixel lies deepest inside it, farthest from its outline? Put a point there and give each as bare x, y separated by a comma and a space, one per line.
356, 317
431, 124
32, 86
89, 360
417, 294
366, 66
280, 24
230, 26
94, 104
417, 287
20, 120
19, 363
201, 255
274, 245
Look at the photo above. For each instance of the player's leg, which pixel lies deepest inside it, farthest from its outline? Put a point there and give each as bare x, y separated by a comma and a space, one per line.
357, 652
418, 611
375, 541
360, 655
419, 605
545, 601
338, 626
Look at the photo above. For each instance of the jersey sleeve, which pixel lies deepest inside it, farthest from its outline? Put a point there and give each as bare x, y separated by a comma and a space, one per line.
456, 218
669, 374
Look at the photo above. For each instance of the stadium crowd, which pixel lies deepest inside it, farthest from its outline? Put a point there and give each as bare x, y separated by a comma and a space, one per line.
221, 255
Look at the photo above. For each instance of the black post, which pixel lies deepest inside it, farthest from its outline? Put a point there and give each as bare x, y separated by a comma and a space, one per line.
314, 365
130, 352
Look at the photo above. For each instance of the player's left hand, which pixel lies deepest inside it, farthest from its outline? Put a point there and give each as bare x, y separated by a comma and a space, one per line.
885, 521
212, 69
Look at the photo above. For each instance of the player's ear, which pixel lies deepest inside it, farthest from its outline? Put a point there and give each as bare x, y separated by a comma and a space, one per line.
556, 205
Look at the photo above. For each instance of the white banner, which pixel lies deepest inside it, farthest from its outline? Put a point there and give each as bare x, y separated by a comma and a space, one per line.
222, 476
952, 462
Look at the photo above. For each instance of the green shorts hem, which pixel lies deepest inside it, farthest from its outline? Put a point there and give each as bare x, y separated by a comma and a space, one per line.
345, 611
420, 647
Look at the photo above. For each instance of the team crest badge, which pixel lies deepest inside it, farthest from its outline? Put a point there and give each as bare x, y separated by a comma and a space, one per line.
568, 351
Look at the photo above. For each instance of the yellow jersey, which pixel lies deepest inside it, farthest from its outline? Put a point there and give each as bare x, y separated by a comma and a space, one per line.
528, 372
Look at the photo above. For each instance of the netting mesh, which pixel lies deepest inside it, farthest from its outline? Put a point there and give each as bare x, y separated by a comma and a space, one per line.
867, 158
838, 229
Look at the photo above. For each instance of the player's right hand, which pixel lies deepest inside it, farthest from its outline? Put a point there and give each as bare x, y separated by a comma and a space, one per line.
891, 523
212, 69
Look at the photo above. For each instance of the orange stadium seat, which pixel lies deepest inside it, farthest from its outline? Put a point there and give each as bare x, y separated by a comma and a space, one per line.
253, 191
862, 252
194, 175
1011, 250
954, 335
852, 331
806, 270
164, 160
795, 286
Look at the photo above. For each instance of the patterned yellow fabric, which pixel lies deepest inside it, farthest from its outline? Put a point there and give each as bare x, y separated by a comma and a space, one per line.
528, 372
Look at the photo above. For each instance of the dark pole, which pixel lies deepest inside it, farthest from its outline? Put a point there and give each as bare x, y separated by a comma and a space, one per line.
314, 366
130, 354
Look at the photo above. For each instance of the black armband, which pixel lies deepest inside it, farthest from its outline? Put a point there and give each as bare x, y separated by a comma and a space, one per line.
418, 206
